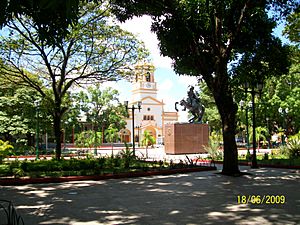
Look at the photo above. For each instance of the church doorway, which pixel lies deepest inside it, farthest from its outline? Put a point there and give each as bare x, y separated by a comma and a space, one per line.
125, 135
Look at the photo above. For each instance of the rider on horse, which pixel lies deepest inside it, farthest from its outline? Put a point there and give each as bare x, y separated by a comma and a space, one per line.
192, 99
193, 104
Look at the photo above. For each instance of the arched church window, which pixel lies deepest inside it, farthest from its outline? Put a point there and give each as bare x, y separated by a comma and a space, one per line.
148, 77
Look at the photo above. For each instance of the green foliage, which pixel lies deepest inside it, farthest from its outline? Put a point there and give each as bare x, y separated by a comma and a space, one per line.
266, 156
295, 136
88, 139
95, 50
4, 170
213, 149
62, 165
282, 92
215, 136
128, 157
248, 155
148, 139
5, 149
291, 149
123, 162
292, 27
204, 37
211, 114
111, 134
18, 113
52, 18
260, 134
102, 107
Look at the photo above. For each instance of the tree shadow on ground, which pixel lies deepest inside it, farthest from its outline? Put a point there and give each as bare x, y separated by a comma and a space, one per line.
196, 198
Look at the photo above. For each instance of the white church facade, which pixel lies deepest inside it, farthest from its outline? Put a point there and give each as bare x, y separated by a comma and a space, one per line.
152, 115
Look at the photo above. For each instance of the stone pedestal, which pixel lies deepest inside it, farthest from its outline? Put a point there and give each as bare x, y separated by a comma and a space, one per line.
185, 138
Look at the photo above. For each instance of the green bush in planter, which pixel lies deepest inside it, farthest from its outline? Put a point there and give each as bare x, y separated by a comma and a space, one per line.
127, 157
5, 149
292, 148
5, 170
100, 163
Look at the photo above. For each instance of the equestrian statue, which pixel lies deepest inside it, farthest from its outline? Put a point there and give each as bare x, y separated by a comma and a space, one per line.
194, 105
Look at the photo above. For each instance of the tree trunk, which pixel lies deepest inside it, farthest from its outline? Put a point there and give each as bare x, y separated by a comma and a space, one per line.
220, 88
227, 110
30, 139
57, 134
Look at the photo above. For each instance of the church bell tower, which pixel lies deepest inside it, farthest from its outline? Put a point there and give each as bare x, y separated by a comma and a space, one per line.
144, 84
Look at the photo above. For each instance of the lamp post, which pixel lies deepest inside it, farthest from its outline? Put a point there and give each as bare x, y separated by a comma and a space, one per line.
253, 92
242, 104
268, 127
138, 128
133, 107
283, 113
37, 105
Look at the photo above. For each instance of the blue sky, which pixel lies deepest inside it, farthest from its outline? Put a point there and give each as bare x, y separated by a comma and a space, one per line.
171, 87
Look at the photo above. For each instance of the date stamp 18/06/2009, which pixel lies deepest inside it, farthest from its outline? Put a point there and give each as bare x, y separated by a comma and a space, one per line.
261, 199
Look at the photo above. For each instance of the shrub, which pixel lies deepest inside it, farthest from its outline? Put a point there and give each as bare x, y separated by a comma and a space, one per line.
292, 148
5, 149
43, 165
5, 170
23, 149
266, 156
295, 137
213, 150
248, 155
100, 163
18, 172
127, 157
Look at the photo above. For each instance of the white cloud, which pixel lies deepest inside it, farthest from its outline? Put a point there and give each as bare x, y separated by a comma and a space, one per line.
166, 85
183, 116
141, 26
187, 80
171, 87
124, 88
169, 103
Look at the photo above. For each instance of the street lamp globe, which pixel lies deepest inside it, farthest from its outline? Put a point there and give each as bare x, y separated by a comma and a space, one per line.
242, 103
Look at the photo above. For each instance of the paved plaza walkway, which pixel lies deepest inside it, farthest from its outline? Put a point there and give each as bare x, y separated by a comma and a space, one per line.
195, 198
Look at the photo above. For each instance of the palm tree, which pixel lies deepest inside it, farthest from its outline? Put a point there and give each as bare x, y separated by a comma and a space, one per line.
147, 140
260, 133
111, 135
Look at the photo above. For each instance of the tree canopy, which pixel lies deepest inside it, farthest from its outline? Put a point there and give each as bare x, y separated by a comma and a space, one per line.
204, 37
95, 50
292, 28
102, 107
52, 18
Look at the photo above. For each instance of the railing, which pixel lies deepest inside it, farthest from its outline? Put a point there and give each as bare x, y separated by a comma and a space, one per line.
8, 214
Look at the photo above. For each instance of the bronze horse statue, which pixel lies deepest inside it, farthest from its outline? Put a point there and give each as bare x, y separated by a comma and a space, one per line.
197, 110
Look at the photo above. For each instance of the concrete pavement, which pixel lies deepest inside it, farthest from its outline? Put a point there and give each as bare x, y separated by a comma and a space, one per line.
195, 198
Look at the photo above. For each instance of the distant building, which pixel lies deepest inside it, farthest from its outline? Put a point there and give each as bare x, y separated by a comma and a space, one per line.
152, 116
